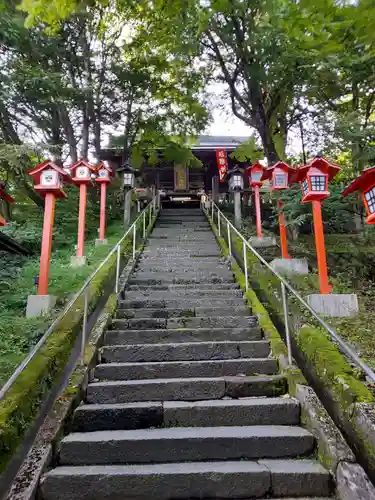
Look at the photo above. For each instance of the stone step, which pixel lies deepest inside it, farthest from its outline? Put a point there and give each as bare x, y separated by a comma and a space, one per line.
183, 253
121, 337
185, 369
210, 288
184, 352
187, 480
184, 322
188, 389
201, 312
180, 303
160, 278
176, 444
191, 267
228, 412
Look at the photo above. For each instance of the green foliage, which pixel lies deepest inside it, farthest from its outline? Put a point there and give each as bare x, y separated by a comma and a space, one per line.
248, 151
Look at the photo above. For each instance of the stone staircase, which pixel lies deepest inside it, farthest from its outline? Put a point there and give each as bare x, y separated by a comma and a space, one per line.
187, 401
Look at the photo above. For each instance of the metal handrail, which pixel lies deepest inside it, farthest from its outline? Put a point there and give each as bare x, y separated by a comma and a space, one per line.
152, 207
285, 285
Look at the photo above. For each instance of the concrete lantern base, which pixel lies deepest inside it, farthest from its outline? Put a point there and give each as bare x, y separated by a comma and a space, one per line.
101, 242
37, 305
77, 261
334, 305
262, 242
290, 266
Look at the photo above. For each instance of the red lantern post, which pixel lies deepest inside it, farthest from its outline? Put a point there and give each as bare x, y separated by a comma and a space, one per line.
48, 178
279, 175
81, 173
104, 173
6, 197
314, 178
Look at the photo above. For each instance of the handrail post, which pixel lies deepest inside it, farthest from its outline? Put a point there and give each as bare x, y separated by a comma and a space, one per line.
134, 238
84, 323
149, 222
229, 241
245, 264
218, 223
212, 211
118, 267
286, 320
144, 225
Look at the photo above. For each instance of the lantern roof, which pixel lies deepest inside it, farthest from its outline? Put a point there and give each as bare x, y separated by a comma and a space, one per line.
267, 173
83, 163
257, 165
5, 196
105, 165
365, 180
237, 169
36, 172
319, 163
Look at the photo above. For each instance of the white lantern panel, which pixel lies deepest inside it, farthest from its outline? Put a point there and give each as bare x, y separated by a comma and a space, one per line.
305, 187
49, 178
128, 179
280, 180
370, 198
318, 183
83, 173
103, 173
256, 175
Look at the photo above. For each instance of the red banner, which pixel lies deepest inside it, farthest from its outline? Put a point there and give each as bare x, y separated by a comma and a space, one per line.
222, 163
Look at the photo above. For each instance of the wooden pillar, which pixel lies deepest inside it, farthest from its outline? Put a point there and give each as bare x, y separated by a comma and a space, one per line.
45, 256
215, 188
325, 287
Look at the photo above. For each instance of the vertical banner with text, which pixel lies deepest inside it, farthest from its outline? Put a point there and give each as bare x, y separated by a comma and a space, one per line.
222, 163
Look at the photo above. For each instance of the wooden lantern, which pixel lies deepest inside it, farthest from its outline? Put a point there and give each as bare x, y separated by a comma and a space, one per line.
365, 184
49, 178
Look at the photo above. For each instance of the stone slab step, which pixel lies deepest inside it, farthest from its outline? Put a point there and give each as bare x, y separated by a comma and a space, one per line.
198, 254
174, 312
184, 322
185, 369
211, 289
182, 268
184, 481
160, 278
188, 389
228, 412
121, 337
184, 351
176, 444
180, 303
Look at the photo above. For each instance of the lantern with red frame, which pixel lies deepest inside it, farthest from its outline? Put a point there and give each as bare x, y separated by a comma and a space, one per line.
82, 172
48, 178
314, 178
6, 197
365, 184
104, 174
255, 174
280, 175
